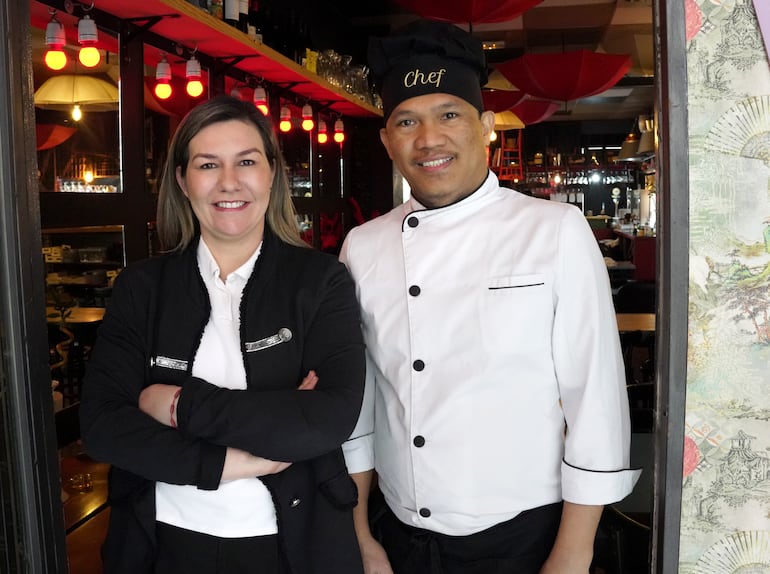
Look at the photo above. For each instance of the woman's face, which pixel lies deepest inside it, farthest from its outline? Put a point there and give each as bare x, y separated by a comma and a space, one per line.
228, 181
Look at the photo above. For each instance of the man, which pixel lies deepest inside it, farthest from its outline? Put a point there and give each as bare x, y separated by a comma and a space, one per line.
499, 415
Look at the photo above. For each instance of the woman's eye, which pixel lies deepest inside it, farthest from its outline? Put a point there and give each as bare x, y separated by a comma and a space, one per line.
209, 165
247, 162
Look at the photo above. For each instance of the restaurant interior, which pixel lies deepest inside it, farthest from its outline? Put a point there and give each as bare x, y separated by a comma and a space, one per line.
572, 84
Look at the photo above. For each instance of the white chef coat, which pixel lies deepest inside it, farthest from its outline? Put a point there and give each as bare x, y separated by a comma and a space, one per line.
493, 350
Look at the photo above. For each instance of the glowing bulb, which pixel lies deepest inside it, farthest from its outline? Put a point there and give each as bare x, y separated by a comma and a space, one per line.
194, 88
193, 75
493, 136
77, 113
339, 131
285, 123
163, 90
89, 56
260, 100
307, 118
163, 78
323, 135
88, 176
55, 59
88, 35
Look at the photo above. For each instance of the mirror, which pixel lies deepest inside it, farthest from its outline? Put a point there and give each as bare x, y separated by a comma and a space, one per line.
77, 120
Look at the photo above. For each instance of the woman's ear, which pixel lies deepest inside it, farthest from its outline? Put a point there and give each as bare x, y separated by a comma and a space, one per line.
180, 180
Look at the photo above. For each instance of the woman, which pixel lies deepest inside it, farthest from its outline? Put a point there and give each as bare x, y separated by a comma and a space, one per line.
227, 373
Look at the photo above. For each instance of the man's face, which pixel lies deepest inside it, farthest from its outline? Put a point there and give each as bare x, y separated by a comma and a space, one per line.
438, 142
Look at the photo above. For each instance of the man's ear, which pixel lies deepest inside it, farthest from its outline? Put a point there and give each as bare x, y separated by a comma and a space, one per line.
385, 141
487, 122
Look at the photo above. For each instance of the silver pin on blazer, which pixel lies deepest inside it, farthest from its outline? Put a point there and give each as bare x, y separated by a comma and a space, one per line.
169, 363
281, 336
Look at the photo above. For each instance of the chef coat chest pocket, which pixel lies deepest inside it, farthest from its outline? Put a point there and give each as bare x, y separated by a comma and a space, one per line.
517, 313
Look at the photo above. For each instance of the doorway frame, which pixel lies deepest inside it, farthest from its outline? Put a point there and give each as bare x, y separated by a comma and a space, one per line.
672, 280
32, 520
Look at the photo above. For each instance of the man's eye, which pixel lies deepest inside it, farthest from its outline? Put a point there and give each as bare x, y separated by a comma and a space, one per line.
406, 123
450, 115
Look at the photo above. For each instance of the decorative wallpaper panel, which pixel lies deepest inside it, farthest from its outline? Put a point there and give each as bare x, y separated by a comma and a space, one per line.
726, 489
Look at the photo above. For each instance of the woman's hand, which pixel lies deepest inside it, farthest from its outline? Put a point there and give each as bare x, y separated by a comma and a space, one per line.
241, 464
159, 401
374, 557
309, 382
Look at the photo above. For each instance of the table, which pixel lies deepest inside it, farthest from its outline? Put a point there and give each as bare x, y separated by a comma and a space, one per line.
636, 322
77, 315
79, 506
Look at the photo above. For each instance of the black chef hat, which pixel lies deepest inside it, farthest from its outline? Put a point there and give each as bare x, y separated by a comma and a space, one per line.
428, 57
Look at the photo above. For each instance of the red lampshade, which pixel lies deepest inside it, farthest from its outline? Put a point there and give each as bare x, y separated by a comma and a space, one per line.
534, 111
469, 11
565, 76
500, 100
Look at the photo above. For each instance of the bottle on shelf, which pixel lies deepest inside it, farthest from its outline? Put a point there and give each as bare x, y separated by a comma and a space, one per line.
243, 15
230, 12
255, 22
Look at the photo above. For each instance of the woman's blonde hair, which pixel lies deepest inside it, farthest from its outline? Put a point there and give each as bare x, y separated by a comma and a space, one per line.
176, 222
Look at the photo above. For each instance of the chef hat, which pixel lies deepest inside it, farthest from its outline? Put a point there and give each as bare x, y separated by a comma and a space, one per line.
428, 57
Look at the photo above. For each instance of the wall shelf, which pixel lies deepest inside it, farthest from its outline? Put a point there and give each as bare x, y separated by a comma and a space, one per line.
191, 27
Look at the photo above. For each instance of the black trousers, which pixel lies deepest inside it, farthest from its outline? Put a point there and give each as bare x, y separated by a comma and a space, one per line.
183, 551
518, 546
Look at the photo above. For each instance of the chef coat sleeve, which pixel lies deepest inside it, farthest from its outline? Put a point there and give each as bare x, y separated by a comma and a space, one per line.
359, 448
590, 372
113, 428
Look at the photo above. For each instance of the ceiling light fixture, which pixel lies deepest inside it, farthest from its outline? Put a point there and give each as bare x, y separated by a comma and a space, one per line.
163, 88
88, 36
55, 39
285, 123
193, 74
339, 131
323, 134
307, 118
260, 100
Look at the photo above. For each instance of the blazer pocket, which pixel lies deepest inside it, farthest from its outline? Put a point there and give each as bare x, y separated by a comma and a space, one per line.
340, 491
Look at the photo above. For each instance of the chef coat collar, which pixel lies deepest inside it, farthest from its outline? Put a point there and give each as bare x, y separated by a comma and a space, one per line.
490, 183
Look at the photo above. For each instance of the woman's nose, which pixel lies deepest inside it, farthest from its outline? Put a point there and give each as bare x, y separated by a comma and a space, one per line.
228, 178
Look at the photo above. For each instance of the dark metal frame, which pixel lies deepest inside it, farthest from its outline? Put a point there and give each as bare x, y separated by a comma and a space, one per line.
32, 516
673, 256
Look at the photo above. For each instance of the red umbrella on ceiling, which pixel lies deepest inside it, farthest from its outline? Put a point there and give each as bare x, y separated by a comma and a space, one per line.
51, 135
499, 100
534, 111
473, 11
565, 76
